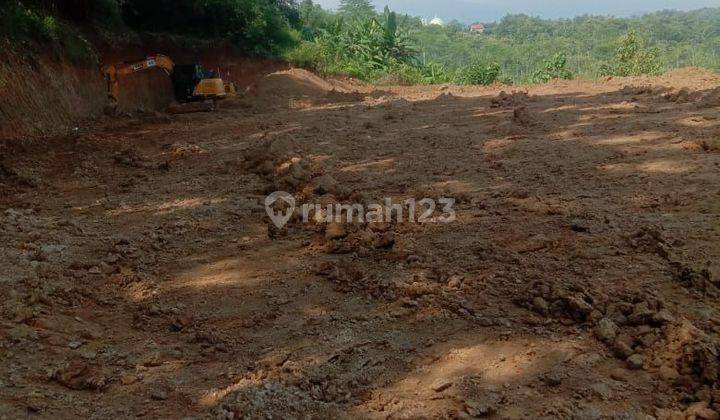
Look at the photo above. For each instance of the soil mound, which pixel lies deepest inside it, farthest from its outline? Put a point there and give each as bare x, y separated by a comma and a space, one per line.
691, 74
298, 88
683, 95
294, 83
710, 99
701, 98
505, 100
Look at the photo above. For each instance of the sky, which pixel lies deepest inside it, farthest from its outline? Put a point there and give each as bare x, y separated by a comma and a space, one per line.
490, 10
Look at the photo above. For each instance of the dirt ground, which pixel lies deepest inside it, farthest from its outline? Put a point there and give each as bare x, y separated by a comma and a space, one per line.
141, 276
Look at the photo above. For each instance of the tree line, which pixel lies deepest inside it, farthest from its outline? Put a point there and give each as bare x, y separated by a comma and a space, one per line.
262, 27
517, 49
384, 46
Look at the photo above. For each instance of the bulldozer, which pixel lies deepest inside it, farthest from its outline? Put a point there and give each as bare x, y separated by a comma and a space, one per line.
191, 83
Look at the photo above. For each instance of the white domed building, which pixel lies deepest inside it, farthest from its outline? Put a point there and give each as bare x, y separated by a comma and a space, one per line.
436, 21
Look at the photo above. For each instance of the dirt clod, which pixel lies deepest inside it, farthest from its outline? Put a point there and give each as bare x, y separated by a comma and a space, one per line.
606, 330
636, 361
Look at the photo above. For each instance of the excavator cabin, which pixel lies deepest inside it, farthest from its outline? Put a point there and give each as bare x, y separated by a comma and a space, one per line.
191, 82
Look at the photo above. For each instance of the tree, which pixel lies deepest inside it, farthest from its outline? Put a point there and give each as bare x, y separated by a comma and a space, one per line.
553, 68
357, 8
633, 58
455, 27
313, 19
522, 46
291, 10
479, 73
254, 26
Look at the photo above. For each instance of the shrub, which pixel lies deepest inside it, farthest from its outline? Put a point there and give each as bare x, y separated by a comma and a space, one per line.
478, 73
107, 13
308, 55
369, 48
21, 23
434, 73
633, 58
402, 74
553, 68
75, 48
37, 29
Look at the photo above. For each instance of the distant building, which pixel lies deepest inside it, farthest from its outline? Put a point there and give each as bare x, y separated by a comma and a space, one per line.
437, 22
477, 28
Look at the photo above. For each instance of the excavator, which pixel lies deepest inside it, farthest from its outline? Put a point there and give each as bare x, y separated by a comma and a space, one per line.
191, 83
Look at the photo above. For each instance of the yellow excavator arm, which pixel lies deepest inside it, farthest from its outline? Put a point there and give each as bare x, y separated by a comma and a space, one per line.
112, 72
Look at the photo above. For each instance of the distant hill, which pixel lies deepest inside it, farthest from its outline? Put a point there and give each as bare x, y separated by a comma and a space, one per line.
519, 42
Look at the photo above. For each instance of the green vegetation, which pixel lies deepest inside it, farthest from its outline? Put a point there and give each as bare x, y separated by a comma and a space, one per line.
592, 45
518, 49
357, 8
633, 58
385, 47
361, 46
33, 28
262, 27
478, 73
554, 68
254, 26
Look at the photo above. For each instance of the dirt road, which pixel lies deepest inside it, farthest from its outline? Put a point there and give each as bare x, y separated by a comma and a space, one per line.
141, 275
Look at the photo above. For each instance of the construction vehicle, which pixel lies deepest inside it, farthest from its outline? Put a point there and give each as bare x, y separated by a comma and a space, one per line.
191, 83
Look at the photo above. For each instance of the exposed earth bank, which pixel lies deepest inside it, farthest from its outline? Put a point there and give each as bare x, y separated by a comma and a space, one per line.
43, 95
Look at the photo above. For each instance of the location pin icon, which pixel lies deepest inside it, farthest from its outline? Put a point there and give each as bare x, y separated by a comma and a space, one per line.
280, 218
